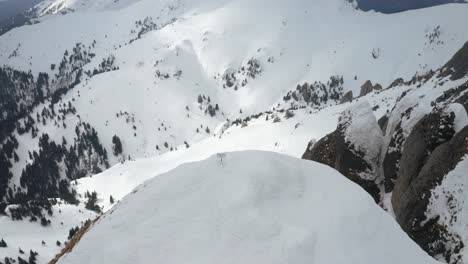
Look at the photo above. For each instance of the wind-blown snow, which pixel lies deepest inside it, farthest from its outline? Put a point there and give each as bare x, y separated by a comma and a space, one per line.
253, 207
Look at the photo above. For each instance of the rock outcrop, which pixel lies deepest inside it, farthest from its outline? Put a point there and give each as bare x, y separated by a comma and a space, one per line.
367, 88
410, 199
324, 151
347, 97
383, 122
431, 131
354, 148
457, 66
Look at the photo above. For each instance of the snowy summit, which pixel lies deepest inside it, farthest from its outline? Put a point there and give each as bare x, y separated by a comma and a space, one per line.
255, 207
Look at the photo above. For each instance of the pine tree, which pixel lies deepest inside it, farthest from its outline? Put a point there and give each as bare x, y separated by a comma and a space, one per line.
3, 244
32, 257
117, 145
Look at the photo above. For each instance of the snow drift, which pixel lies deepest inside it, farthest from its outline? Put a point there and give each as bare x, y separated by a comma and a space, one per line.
251, 207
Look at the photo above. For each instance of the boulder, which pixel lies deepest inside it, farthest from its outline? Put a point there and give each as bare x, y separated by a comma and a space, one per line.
366, 88
323, 151
347, 97
377, 87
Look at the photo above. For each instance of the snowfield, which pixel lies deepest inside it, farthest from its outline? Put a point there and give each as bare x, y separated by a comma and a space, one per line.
251, 207
170, 62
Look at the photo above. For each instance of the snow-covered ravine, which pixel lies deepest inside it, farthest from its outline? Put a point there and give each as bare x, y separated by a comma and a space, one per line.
247, 207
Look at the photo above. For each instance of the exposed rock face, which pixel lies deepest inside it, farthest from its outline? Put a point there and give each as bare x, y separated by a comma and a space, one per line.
431, 131
383, 122
396, 82
392, 157
455, 95
358, 144
324, 151
347, 97
410, 199
354, 148
366, 88
457, 66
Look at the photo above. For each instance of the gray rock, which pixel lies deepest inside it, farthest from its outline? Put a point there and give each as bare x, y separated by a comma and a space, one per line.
335, 151
324, 151
347, 97
458, 94
393, 155
351, 163
383, 122
410, 202
431, 131
457, 66
366, 88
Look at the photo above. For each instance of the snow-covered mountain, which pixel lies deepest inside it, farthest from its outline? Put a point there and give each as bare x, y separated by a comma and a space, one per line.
248, 207
143, 86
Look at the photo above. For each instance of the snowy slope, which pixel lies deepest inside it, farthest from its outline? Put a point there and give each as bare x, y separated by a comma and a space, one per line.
290, 136
253, 207
196, 43
313, 40
26, 235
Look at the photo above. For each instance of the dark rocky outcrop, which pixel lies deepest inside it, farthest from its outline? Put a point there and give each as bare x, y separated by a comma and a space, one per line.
410, 202
458, 94
396, 82
392, 157
351, 163
324, 151
366, 88
338, 151
431, 131
457, 66
347, 97
383, 122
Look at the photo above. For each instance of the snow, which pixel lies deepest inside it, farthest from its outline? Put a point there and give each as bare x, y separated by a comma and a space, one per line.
449, 200
461, 117
255, 207
29, 235
310, 40
363, 133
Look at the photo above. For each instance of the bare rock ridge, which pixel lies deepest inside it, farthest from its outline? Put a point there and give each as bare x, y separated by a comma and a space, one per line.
457, 67
422, 149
